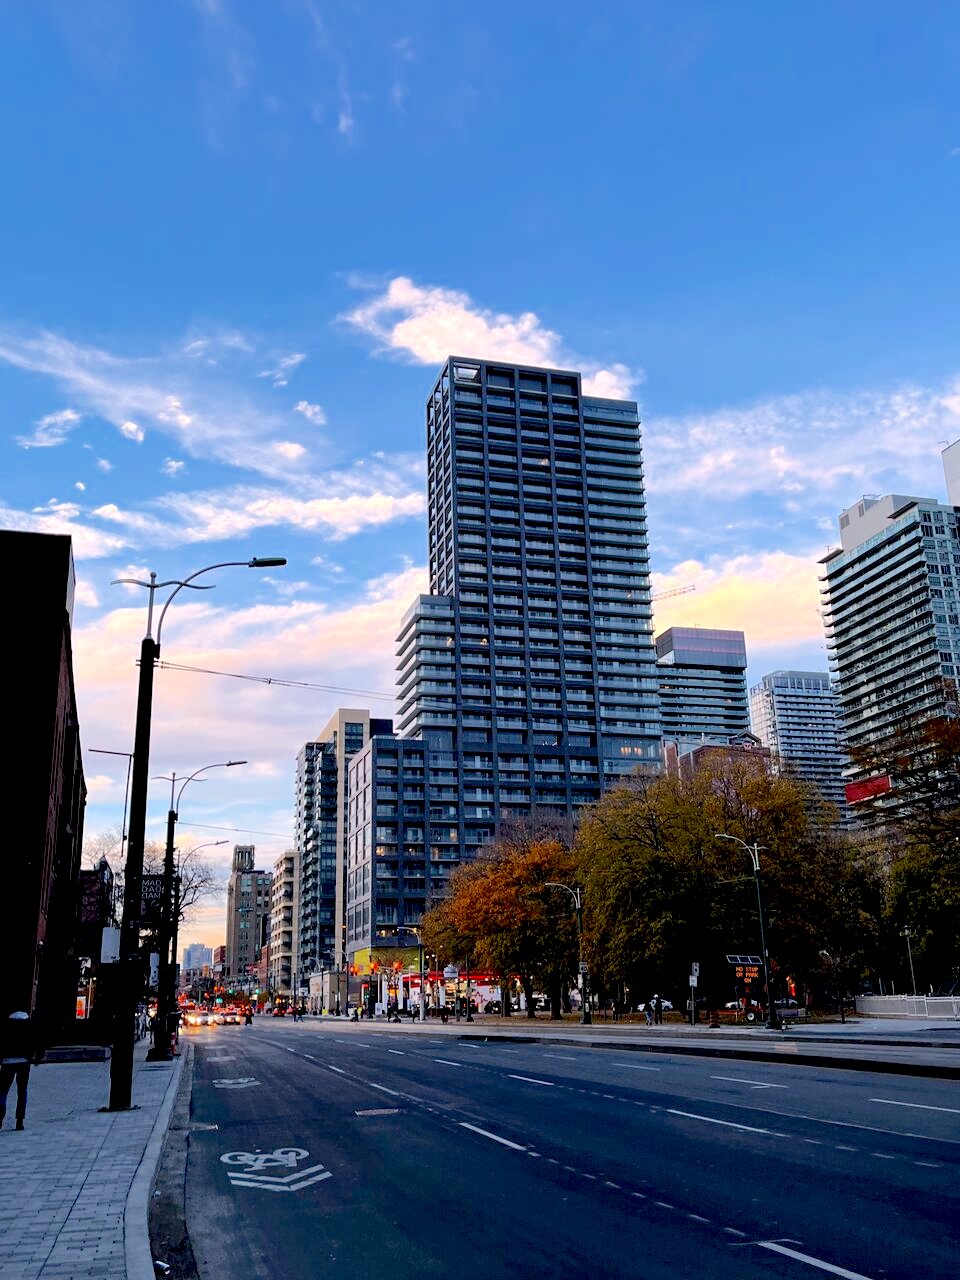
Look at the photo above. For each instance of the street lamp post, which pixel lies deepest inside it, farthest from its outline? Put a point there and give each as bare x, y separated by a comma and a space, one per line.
130, 977
162, 1049
409, 928
773, 1022
908, 934
586, 1017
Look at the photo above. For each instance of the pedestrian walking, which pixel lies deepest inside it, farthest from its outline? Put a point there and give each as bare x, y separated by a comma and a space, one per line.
648, 1012
657, 1010
19, 1049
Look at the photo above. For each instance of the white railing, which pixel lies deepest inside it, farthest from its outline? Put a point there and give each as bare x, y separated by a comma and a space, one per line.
909, 1006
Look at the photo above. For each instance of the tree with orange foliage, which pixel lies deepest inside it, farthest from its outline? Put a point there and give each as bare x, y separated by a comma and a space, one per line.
502, 914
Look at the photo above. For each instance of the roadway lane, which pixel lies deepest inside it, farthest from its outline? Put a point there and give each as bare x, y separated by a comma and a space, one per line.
529, 1159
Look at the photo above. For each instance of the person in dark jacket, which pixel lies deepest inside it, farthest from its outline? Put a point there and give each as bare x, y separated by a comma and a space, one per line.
19, 1049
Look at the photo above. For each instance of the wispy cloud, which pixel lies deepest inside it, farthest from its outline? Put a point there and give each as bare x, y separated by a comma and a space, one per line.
428, 323
811, 448
51, 430
172, 466
132, 431
279, 375
199, 407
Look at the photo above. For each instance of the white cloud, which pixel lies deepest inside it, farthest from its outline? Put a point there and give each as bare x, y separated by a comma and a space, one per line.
172, 466
104, 465
132, 431
80, 485
86, 594
69, 510
346, 124
284, 366
427, 323
807, 447
51, 430
290, 450
312, 412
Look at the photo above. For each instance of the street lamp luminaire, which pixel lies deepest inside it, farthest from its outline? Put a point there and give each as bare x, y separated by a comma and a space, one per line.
162, 1049
586, 1017
773, 1022
130, 973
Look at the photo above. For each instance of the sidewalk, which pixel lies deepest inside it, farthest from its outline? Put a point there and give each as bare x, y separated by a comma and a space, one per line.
75, 1185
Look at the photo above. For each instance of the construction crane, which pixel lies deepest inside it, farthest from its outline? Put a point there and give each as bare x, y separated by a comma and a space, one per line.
674, 591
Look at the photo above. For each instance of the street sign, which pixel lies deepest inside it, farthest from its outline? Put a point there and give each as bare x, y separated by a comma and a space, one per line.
584, 967
694, 979
744, 960
151, 900
451, 973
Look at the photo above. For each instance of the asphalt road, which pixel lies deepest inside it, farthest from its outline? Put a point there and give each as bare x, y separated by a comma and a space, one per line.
407, 1152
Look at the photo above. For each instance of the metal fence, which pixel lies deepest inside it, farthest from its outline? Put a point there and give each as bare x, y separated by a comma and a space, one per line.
910, 1006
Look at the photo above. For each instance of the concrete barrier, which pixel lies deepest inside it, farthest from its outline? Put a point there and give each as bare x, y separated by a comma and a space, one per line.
909, 1006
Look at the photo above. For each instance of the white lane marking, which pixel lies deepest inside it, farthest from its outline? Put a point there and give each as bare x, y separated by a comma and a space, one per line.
840, 1124
559, 1057
616, 1185
919, 1106
926, 1164
530, 1080
399, 1052
756, 1084
508, 1050
339, 1070
813, 1262
732, 1231
728, 1124
310, 1056
662, 1204
841, 1148
447, 1063
485, 1133
697, 1218
879, 1155
383, 1089
633, 1066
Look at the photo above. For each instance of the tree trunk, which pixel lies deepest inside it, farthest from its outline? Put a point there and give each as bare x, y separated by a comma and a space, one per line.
527, 983
556, 998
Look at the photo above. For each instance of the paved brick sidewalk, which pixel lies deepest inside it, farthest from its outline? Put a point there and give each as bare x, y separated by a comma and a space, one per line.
65, 1180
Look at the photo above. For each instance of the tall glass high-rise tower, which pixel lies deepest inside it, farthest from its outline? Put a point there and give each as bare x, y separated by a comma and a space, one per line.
528, 674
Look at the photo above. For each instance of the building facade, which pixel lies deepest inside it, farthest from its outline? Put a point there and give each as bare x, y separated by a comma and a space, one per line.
892, 618
284, 922
197, 955
702, 679
43, 772
527, 679
248, 915
795, 715
322, 789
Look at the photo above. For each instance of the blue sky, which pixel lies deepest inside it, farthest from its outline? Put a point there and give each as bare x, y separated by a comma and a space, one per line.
238, 238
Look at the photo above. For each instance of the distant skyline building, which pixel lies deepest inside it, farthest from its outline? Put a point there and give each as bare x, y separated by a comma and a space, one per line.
701, 673
892, 618
248, 914
527, 681
795, 714
196, 955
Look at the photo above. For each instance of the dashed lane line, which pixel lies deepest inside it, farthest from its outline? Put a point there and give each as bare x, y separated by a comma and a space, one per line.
495, 1137
559, 1057
727, 1124
447, 1063
919, 1106
339, 1070
399, 1052
756, 1084
383, 1089
548, 1084
811, 1262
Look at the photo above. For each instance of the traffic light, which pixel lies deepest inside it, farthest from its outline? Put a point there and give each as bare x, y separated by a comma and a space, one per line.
397, 966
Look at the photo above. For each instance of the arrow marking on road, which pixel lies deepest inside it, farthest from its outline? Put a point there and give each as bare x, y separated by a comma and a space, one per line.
756, 1084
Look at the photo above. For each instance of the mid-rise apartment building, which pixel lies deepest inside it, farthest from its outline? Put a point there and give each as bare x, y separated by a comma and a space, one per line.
284, 922
527, 680
795, 715
892, 617
248, 915
702, 679
321, 810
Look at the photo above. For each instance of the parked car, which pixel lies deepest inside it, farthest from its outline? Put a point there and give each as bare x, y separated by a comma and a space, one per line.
665, 1004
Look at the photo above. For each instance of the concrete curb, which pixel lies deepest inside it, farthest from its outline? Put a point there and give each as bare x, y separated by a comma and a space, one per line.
749, 1054
136, 1212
